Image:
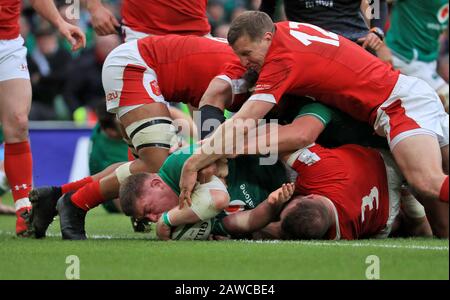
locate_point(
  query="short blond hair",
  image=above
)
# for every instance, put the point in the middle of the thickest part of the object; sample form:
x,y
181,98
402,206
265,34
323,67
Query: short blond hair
x,y
251,23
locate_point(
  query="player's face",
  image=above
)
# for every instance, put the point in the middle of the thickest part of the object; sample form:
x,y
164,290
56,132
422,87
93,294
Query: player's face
x,y
252,53
154,202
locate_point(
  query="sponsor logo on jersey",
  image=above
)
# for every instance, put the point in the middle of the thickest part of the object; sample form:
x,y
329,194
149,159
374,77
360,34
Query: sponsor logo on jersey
x,y
315,3
443,14
112,96
307,157
234,207
248,198
155,88
262,87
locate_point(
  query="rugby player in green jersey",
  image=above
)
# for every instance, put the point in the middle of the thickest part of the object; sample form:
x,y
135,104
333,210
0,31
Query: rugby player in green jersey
x,y
413,37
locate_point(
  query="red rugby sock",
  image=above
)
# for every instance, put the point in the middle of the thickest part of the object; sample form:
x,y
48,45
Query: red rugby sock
x,y
19,171
443,196
88,197
75,185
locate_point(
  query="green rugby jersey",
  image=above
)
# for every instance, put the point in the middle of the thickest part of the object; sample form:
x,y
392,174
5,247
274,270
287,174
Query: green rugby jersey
x,y
415,28
248,182
105,151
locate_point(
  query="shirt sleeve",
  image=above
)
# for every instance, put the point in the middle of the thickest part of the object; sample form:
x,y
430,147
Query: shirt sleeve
x,y
318,110
274,80
233,73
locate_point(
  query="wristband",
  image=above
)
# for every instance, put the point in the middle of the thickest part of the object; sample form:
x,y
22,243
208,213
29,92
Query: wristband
x,y
166,219
378,31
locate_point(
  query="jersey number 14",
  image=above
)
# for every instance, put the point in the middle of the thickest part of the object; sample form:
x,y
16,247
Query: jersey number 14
x,y
307,39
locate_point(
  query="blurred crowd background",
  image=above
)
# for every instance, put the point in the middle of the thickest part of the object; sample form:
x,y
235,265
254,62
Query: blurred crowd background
x,y
67,85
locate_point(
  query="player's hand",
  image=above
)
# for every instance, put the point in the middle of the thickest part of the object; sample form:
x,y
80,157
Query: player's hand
x,y
163,231
281,195
222,168
103,21
73,34
205,174
188,180
371,40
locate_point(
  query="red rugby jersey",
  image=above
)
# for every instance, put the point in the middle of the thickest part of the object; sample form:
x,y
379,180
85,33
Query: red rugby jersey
x,y
185,65
354,179
9,19
306,60
162,17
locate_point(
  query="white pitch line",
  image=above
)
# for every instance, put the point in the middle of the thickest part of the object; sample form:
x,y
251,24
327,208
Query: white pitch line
x,y
306,243
353,244
94,236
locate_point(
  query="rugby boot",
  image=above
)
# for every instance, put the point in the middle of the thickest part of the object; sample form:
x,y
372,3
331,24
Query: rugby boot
x,y
43,201
71,219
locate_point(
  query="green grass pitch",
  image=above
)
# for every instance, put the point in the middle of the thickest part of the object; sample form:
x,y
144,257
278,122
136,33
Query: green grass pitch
x,y
113,251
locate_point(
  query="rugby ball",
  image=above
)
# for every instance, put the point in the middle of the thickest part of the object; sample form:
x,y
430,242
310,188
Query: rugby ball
x,y
197,231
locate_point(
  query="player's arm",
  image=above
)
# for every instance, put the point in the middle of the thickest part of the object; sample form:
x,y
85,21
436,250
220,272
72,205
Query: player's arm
x,y
222,142
303,131
255,219
206,206
103,20
217,96
229,87
48,10
220,145
374,39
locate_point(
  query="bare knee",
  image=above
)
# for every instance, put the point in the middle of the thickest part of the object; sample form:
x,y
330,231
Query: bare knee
x,y
427,187
15,127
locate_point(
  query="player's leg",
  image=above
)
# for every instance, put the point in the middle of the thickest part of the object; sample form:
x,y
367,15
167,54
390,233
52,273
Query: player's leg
x,y
15,104
132,93
149,126
419,159
444,144
412,119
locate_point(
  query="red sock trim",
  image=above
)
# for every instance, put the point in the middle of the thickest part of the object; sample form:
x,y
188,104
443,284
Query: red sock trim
x,y
443,195
88,197
74,186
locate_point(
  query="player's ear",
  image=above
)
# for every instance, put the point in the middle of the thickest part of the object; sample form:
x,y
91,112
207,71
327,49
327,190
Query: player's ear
x,y
156,183
268,36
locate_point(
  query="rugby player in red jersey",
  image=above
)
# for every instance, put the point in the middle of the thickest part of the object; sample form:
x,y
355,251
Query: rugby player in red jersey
x,y
152,17
15,97
140,78
305,60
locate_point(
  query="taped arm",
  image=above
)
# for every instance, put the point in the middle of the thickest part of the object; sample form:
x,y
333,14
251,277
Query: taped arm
x,y
212,105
